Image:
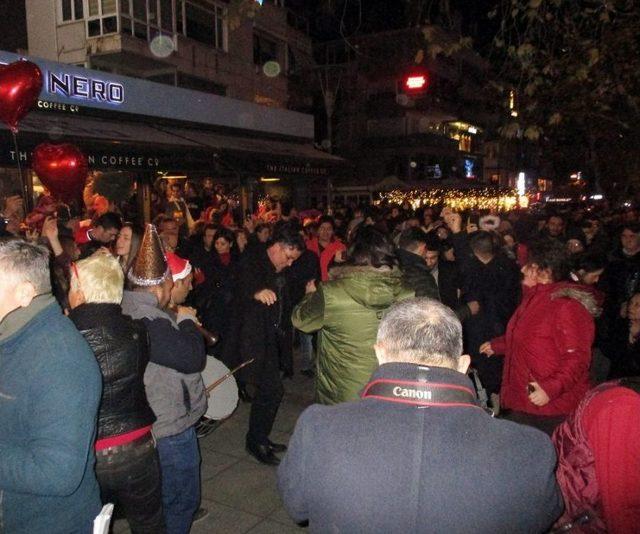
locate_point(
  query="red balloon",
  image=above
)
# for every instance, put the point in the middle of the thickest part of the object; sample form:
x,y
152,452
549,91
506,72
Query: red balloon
x,y
20,85
62,169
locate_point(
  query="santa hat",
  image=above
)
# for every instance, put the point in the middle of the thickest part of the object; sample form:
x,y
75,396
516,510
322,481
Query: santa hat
x,y
180,268
149,268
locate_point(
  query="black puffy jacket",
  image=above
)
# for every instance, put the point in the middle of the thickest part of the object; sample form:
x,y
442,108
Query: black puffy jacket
x,y
121,347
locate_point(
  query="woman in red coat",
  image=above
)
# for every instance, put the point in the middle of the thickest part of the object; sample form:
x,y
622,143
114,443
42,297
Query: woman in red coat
x,y
547,345
326,246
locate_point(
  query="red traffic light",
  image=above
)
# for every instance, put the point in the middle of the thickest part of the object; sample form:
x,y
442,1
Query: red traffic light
x,y
416,82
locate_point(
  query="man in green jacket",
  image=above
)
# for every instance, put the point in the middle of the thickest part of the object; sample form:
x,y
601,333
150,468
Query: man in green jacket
x,y
346,311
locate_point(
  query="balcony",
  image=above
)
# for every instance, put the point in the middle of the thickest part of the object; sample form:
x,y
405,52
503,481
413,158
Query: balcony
x,y
407,126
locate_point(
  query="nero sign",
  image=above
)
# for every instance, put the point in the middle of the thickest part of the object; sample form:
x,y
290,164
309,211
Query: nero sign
x,y
75,86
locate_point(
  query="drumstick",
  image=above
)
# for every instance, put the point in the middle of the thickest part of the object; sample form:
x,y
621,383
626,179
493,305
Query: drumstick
x,y
220,380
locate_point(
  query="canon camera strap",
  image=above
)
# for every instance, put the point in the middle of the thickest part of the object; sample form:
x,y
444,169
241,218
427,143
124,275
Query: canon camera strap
x,y
420,393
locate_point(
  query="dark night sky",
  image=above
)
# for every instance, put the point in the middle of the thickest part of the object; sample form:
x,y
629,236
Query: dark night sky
x,y
13,26
370,16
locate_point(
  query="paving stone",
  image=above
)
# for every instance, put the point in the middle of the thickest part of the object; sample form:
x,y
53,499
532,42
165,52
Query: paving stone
x,y
228,438
271,527
281,516
121,526
239,492
224,519
213,462
247,486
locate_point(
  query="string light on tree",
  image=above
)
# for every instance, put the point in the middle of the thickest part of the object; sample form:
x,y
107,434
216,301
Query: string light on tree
x,y
457,199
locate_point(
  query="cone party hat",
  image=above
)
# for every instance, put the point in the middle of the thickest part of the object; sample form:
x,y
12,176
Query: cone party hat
x,y
150,267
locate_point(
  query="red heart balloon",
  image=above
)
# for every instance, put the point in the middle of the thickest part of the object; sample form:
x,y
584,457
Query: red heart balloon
x,y
20,85
62,169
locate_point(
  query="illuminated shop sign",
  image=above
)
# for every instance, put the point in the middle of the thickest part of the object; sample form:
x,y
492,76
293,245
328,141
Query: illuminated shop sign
x,y
86,88
306,170
99,159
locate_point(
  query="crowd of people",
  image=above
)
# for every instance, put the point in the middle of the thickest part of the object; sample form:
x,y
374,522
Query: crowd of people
x,y
381,302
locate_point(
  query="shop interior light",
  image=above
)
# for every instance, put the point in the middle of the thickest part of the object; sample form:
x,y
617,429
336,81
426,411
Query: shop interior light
x,y
263,179
175,176
521,185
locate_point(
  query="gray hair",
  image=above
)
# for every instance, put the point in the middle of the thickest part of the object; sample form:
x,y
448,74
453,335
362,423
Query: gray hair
x,y
423,331
21,261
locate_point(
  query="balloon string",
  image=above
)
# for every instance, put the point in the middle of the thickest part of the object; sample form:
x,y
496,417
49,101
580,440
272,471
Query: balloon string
x,y
25,187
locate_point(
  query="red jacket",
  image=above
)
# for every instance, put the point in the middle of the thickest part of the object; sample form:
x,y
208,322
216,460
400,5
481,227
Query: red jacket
x,y
81,235
327,255
599,460
548,340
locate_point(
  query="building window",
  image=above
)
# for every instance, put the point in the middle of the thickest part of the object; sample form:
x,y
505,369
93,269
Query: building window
x,y
205,25
464,141
291,61
71,10
102,17
146,19
264,50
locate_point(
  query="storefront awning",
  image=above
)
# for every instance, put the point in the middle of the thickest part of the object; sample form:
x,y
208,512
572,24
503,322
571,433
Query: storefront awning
x,y
127,145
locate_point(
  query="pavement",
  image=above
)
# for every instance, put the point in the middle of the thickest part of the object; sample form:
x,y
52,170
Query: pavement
x,y
239,492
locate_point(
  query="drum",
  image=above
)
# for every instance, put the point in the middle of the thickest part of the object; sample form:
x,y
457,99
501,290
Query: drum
x,y
223,399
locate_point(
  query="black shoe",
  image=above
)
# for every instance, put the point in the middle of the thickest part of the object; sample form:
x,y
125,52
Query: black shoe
x,y
244,395
201,513
276,447
263,454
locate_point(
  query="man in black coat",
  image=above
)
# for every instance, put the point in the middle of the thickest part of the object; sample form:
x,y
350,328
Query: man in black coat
x,y
424,272
261,329
304,269
492,279
417,453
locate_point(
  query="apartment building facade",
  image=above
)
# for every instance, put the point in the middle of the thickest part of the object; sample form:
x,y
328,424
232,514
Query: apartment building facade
x,y
206,45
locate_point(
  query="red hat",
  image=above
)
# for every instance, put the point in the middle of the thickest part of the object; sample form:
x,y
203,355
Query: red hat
x,y
179,267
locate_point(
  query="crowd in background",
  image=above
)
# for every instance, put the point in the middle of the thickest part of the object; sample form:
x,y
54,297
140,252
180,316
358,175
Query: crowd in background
x,y
549,298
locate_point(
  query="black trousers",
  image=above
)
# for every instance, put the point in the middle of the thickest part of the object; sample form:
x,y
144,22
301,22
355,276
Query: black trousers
x,y
264,408
130,478
545,423
490,371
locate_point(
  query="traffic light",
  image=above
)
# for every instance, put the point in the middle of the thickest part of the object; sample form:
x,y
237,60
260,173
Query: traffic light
x,y
415,83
